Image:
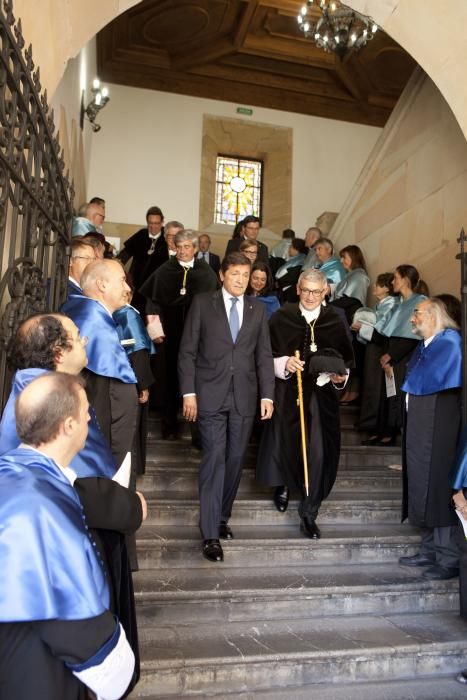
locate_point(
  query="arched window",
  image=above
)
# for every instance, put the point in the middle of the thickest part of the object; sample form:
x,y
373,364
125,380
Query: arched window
x,y
238,188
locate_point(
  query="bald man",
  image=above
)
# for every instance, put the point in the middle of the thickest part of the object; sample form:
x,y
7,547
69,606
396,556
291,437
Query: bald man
x,y
110,380
57,634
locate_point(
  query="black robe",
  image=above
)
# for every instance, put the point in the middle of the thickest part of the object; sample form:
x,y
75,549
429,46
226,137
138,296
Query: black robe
x,y
280,458
162,292
143,265
429,450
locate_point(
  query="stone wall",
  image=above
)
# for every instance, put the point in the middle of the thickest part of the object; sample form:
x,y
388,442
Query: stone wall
x,y
409,203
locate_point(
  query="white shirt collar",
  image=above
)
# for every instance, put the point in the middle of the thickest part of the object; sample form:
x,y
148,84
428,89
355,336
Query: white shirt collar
x,y
227,296
186,264
172,252
427,341
154,237
74,281
311,315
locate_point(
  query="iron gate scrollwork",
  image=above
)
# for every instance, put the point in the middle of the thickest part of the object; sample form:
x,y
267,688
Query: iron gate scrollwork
x,y
35,195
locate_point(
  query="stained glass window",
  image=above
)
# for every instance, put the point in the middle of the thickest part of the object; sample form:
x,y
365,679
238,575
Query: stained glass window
x,y
238,189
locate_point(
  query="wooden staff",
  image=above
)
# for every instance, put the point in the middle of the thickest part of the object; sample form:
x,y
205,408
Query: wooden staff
x,y
302,422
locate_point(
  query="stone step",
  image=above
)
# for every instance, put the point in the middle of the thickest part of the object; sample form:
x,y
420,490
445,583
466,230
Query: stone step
x,y
222,594
189,660
426,688
165,547
184,479
343,507
181,452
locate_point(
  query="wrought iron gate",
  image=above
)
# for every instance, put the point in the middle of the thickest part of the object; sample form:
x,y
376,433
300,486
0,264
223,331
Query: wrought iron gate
x,y
35,196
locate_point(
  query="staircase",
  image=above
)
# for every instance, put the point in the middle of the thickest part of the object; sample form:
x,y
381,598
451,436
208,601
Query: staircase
x,y
285,617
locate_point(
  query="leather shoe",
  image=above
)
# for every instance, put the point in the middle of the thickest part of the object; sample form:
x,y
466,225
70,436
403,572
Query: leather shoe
x,y
225,533
416,560
310,528
281,498
212,550
462,677
440,573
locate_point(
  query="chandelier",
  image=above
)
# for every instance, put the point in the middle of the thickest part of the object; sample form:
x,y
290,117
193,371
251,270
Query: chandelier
x,y
339,29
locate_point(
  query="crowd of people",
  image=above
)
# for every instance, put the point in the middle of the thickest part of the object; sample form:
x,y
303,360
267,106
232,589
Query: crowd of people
x,y
267,341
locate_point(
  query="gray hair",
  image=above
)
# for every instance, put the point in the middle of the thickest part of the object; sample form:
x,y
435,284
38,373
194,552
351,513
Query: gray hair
x,y
173,224
187,235
326,242
313,275
437,310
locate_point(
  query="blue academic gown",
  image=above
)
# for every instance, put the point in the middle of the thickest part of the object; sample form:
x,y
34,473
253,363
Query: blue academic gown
x,y
49,566
95,459
97,324
333,270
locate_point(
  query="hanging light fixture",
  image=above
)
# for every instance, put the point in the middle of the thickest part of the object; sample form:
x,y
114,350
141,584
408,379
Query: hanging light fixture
x,y
100,97
339,30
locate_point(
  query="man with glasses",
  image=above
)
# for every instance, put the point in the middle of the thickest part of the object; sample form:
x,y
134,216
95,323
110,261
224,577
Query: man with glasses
x,y
249,230
318,333
82,253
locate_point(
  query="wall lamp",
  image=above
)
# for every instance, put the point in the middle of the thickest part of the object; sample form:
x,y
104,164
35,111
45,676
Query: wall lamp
x,y
100,97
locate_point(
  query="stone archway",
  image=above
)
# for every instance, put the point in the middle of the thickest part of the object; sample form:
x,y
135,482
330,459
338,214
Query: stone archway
x,y
422,27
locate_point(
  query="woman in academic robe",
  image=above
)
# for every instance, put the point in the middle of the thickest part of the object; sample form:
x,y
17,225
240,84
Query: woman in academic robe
x,y
386,356
350,294
261,286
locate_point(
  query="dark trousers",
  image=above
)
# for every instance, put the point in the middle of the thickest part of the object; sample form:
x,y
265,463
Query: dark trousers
x,y
440,545
309,505
462,543
224,439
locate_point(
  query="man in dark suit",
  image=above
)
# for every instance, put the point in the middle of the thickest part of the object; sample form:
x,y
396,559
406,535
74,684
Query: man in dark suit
x,y
249,229
148,250
204,243
225,354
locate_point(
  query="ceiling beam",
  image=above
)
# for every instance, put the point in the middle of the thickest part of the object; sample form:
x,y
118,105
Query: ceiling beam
x,y
245,23
205,54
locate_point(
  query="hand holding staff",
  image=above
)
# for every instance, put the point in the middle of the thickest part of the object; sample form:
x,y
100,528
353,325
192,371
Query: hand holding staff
x,y
302,422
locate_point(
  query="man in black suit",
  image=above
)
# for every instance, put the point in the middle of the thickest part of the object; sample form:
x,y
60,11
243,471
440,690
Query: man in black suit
x,y
148,250
225,354
249,229
204,243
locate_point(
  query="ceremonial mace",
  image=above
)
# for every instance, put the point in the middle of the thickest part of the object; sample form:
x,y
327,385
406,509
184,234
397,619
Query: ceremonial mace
x,y
302,422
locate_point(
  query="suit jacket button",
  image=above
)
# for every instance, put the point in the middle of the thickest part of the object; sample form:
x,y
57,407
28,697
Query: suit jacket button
x,y
231,368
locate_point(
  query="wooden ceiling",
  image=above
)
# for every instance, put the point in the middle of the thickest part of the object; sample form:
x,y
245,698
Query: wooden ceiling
x,y
250,52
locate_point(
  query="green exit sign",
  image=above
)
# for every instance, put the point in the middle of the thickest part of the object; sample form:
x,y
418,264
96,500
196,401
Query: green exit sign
x,y
244,110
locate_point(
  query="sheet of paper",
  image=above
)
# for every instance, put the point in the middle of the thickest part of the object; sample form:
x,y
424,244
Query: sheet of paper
x,y
122,475
463,521
390,385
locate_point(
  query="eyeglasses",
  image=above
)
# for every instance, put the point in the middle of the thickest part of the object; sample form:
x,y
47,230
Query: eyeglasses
x,y
311,292
419,312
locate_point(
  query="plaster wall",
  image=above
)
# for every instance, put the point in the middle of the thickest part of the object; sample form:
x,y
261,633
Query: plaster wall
x,y
66,103
150,152
409,203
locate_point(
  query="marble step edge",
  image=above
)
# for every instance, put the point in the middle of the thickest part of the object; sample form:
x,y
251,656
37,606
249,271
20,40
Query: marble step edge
x,y
430,649
345,499
442,687
276,594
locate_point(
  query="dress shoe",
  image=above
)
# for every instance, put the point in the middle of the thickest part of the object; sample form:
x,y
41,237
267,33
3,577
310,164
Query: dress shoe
x,y
462,677
281,498
440,573
212,550
371,442
416,560
387,441
225,533
310,528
